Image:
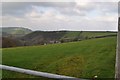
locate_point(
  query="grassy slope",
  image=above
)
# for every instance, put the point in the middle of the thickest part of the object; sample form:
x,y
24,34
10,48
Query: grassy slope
x,y
15,30
94,34
82,59
89,34
71,34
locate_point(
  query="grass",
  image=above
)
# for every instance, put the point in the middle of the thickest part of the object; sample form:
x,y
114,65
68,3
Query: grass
x,y
86,34
94,34
71,34
83,59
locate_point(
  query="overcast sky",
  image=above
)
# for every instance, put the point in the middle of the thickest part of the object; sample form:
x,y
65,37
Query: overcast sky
x,y
61,15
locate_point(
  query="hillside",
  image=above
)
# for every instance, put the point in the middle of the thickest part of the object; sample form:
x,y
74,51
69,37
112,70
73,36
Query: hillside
x,y
87,34
4,34
9,42
51,37
83,59
42,37
16,31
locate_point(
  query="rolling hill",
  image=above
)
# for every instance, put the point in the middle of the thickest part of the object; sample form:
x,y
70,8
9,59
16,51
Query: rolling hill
x,y
27,37
82,59
9,42
4,34
42,37
50,37
16,31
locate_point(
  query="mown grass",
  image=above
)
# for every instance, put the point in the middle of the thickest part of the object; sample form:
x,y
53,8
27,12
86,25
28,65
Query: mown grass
x,y
83,59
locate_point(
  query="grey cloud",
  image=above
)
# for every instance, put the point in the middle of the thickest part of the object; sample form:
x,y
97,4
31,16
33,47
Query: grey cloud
x,y
105,7
70,11
108,6
68,8
14,8
19,8
65,9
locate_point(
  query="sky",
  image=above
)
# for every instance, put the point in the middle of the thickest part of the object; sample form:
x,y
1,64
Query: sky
x,y
52,16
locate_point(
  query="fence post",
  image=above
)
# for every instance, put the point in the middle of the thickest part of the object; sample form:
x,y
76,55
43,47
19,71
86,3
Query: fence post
x,y
118,53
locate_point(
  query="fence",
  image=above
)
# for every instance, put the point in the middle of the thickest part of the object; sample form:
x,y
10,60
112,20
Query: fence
x,y
36,73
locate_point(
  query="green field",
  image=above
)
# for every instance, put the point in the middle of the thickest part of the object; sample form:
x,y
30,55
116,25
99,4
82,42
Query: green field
x,y
83,59
86,34
94,34
71,34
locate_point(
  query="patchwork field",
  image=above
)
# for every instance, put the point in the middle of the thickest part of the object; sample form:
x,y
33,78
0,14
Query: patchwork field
x,y
82,59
